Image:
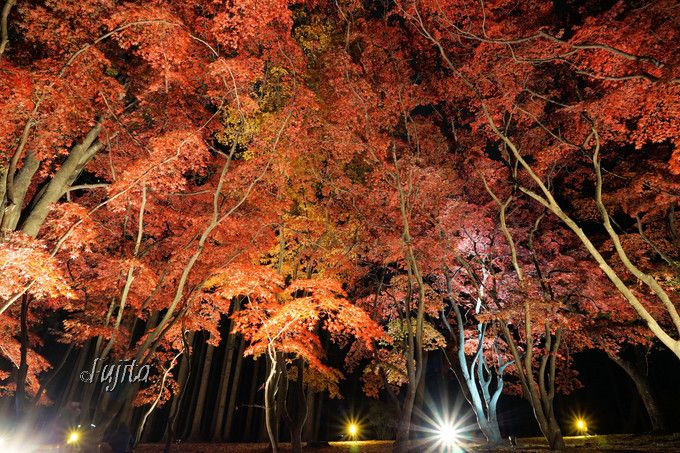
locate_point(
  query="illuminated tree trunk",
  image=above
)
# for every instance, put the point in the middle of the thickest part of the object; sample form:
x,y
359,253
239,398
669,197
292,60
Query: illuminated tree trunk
x,y
79,156
476,378
540,394
270,399
414,341
545,195
641,380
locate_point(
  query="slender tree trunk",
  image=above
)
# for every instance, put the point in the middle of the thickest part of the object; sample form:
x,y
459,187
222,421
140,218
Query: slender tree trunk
x,y
89,390
308,430
188,405
281,390
298,415
182,380
225,378
420,391
74,378
269,401
644,388
222,391
22,372
202,391
251,402
53,373
184,374
126,415
231,407
317,435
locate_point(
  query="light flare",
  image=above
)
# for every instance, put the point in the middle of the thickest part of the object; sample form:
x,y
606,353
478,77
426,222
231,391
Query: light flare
x,y
73,438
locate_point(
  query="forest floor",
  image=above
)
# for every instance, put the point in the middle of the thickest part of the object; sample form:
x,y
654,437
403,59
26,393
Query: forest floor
x,y
606,443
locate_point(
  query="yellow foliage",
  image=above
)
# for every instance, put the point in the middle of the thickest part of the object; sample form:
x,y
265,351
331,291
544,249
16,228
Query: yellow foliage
x,y
314,34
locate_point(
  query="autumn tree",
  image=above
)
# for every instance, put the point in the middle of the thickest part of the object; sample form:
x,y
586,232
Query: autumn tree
x,y
280,320
560,125
138,116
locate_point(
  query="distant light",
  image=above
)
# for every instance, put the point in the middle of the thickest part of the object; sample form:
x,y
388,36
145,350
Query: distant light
x,y
353,429
3,441
581,425
73,437
448,435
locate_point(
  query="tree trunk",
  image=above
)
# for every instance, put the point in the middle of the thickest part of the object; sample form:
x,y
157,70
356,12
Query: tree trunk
x,y
231,407
269,401
74,378
644,388
420,391
539,394
401,441
200,401
69,170
296,437
297,417
222,392
187,407
554,434
183,379
251,402
317,435
225,377
483,403
22,371
308,430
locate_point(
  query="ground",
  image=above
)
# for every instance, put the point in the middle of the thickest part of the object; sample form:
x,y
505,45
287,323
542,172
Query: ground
x,y
608,443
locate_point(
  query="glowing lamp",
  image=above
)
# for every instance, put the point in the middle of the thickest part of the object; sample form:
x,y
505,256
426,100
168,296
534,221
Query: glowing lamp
x,y
73,437
353,429
448,435
581,425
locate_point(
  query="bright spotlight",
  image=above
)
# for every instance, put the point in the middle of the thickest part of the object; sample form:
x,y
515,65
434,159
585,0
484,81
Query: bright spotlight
x,y
448,435
73,437
353,430
581,425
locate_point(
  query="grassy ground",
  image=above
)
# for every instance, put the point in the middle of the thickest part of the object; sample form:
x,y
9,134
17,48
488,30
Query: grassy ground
x,y
609,443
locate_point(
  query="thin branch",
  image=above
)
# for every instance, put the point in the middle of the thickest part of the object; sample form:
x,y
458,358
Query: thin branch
x,y
4,34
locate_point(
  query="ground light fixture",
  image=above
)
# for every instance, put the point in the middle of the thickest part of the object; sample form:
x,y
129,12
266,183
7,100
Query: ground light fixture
x,y
73,438
448,435
581,425
353,430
